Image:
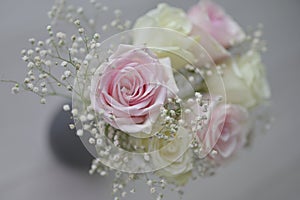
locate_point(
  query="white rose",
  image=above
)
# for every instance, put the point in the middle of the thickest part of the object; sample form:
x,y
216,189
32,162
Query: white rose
x,y
177,157
165,16
169,38
244,81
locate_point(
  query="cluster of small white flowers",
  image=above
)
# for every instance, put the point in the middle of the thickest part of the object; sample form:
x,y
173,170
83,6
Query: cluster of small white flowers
x,y
124,184
71,13
120,185
205,167
98,167
170,114
253,43
53,63
256,41
156,187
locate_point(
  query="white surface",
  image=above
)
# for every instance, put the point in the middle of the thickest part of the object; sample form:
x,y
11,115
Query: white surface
x,y
270,170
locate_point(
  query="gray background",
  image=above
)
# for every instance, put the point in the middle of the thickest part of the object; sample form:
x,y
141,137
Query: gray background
x,y
270,170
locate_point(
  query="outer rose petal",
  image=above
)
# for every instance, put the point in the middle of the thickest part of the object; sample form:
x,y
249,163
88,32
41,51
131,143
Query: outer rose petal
x,y
216,51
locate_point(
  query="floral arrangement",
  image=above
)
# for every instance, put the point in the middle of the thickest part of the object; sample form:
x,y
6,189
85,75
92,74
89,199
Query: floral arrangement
x,y
166,100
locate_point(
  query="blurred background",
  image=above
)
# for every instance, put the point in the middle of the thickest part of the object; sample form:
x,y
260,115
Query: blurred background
x,y
269,170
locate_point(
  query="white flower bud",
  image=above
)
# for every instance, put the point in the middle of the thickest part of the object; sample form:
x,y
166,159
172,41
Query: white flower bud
x,y
90,117
72,126
66,107
32,40
83,118
43,100
26,80
97,36
74,112
30,52
73,38
64,64
23,52
41,43
15,90
30,86
43,84
44,90
30,65
92,141
49,28
35,89
67,73
79,132
43,53
81,30
63,77
48,63
25,58
61,35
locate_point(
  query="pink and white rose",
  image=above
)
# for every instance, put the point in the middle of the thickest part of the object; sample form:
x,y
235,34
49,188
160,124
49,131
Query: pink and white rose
x,y
211,18
226,132
130,88
168,43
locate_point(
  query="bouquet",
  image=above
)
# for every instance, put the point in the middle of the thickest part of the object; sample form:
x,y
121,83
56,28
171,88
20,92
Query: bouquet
x,y
166,99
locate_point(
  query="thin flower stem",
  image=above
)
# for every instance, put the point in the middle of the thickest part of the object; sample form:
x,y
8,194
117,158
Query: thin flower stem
x,y
9,81
60,57
59,94
70,58
56,49
63,59
86,43
53,77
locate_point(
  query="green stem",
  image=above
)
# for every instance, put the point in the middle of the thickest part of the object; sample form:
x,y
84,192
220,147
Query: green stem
x,y
9,81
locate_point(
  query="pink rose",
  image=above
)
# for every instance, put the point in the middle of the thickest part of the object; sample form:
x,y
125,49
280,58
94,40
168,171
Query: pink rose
x,y
211,18
226,132
130,88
